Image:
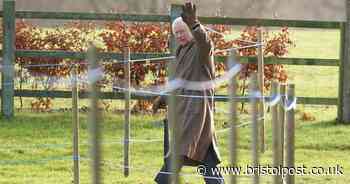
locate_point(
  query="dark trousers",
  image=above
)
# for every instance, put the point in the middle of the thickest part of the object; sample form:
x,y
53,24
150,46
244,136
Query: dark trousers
x,y
209,162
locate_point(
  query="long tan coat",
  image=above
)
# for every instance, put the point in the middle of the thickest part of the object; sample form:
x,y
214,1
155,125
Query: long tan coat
x,y
194,62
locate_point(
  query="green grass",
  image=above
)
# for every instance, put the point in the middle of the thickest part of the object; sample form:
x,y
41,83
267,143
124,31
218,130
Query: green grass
x,y
36,148
317,81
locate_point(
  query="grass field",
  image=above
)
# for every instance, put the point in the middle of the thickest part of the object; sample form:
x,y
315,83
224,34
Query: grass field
x,y
37,148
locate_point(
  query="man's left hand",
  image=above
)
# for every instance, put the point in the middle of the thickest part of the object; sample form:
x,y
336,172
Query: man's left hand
x,y
189,15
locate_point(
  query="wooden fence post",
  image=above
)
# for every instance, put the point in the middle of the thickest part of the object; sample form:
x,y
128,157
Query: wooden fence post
x,y
75,118
255,127
175,146
261,107
126,110
8,73
233,138
95,119
282,118
290,135
276,134
344,70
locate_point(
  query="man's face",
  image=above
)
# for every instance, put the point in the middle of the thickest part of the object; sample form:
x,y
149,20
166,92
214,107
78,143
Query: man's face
x,y
182,35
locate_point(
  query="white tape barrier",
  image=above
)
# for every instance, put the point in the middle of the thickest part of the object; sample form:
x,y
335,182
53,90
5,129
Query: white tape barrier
x,y
95,75
290,104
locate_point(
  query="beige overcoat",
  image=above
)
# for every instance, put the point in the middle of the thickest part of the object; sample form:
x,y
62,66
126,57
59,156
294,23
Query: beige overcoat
x,y
194,62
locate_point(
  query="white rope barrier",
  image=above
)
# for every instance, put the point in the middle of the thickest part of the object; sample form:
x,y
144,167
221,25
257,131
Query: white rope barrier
x,y
95,75
225,36
238,126
289,105
135,61
44,65
148,60
239,48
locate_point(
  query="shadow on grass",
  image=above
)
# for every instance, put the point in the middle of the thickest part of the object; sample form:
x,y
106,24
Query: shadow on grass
x,y
323,124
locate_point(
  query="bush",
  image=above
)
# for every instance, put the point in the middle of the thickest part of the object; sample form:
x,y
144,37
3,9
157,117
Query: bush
x,y
140,37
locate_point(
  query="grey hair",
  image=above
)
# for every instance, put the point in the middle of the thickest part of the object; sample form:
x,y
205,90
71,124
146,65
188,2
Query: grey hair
x,y
179,22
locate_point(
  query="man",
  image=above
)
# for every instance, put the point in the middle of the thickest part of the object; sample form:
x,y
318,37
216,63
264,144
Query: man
x,y
194,63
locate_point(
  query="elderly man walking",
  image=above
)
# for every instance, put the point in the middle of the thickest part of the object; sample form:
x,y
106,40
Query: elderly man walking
x,y
195,116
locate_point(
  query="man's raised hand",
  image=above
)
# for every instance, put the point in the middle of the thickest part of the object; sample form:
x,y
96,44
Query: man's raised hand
x,y
189,14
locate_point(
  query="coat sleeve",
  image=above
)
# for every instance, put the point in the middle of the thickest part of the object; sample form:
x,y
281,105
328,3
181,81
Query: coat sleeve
x,y
202,38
